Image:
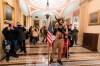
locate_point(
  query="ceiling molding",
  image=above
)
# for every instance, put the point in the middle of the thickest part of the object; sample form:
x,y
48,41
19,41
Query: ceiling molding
x,y
68,6
82,1
90,0
57,4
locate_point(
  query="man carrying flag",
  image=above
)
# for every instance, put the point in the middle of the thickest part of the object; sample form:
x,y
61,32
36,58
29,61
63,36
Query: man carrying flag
x,y
59,41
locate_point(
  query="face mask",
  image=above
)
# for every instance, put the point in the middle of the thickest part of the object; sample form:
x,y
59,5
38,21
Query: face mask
x,y
18,25
9,25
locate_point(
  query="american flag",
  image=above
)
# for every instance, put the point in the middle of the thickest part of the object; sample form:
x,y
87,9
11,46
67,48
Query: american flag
x,y
49,35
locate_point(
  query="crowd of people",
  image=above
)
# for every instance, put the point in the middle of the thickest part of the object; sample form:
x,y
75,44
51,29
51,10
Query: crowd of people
x,y
15,37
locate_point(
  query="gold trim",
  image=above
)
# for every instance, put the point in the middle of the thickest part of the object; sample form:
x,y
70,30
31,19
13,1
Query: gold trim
x,y
98,20
5,4
85,1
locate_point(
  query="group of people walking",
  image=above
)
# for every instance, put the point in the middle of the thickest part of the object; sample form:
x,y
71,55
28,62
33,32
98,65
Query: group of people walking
x,y
14,36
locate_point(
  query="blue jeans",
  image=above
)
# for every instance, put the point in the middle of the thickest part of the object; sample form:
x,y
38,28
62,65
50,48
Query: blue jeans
x,y
14,47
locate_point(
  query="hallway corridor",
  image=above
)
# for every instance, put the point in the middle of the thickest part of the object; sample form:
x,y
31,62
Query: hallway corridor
x,y
37,55
60,23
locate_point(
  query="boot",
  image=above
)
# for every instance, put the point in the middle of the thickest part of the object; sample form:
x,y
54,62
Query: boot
x,y
60,62
51,61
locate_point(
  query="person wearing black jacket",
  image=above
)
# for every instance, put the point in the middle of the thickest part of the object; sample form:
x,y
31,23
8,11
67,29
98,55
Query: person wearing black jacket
x,y
10,34
70,36
75,35
21,37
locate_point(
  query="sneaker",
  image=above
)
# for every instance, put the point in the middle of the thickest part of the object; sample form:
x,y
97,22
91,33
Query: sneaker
x,y
60,62
51,61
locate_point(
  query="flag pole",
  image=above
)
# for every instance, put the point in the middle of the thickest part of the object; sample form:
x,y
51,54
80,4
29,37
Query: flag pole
x,y
67,49
47,16
48,54
48,48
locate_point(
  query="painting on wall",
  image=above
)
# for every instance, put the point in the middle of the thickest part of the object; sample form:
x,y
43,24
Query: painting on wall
x,y
36,22
75,19
94,18
8,12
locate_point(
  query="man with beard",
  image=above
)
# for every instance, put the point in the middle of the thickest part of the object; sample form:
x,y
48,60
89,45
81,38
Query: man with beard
x,y
59,32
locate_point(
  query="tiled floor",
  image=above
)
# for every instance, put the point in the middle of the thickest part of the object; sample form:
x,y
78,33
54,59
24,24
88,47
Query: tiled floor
x,y
38,56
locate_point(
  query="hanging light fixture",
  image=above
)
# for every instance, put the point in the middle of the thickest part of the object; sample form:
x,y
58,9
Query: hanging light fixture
x,y
47,5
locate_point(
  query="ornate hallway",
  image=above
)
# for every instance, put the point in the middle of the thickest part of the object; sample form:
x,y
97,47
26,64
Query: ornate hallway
x,y
79,17
37,55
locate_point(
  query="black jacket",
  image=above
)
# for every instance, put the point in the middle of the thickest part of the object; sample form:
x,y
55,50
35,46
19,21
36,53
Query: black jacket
x,y
10,35
21,33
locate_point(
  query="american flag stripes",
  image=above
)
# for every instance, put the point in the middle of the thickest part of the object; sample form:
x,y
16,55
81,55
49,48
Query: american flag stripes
x,y
49,35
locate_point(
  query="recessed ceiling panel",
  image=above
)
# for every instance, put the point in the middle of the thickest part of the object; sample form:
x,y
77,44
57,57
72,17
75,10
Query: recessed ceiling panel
x,y
52,4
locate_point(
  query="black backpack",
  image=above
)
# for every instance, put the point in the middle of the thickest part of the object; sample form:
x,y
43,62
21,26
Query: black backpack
x,y
6,45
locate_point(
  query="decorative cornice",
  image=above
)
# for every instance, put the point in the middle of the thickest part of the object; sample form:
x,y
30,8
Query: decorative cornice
x,y
90,0
83,1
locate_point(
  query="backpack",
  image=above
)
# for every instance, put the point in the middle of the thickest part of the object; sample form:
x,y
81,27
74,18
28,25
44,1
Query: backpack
x,y
6,45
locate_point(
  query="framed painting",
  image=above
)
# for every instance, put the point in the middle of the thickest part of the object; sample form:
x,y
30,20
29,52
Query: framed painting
x,y
94,18
36,22
8,12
